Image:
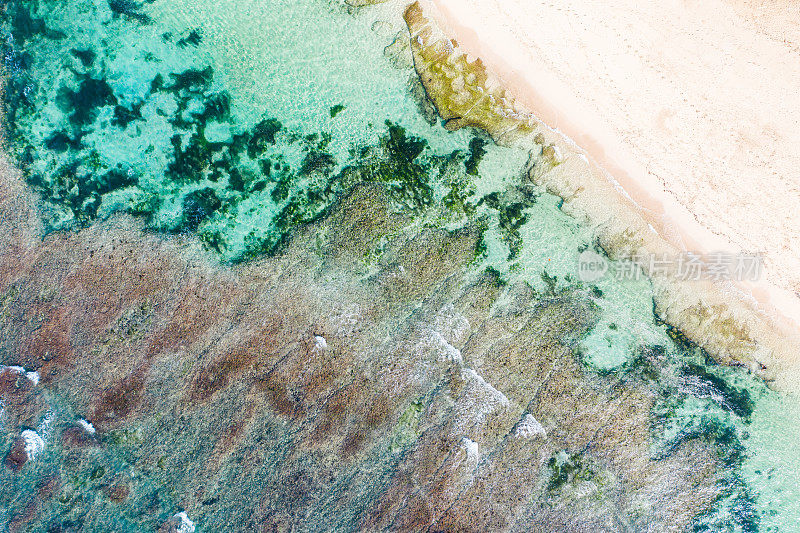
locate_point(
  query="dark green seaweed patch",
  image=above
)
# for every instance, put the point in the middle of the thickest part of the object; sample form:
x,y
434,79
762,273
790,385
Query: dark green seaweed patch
x,y
197,207
193,39
86,57
335,110
193,80
406,173
317,161
125,115
497,278
727,409
190,161
677,336
551,282
476,153
84,103
212,173
699,400
23,24
400,161
216,108
711,385
511,215
262,137
130,9
565,469
60,141
461,187
708,427
648,362
734,508
735,399
281,189
157,84
481,250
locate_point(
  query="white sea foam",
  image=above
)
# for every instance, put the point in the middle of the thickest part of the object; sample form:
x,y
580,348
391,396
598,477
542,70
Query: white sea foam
x,y
186,525
452,325
472,450
529,427
33,377
472,376
87,426
44,425
34,444
446,350
478,401
320,344
448,327
346,321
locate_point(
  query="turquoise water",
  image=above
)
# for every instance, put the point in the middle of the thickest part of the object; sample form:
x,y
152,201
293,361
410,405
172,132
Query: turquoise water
x,y
237,122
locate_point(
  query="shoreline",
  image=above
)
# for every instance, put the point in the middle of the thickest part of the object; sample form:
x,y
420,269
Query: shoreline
x,y
637,192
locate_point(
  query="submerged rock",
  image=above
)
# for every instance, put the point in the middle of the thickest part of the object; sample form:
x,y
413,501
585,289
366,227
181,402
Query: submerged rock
x,y
296,391
26,448
18,455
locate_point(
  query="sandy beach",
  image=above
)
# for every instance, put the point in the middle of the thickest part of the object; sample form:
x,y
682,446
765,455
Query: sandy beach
x,y
689,108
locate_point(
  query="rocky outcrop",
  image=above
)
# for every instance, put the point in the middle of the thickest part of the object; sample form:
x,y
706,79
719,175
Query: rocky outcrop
x,y
461,90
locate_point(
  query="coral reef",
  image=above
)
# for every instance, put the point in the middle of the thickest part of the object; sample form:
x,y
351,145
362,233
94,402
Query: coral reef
x,y
313,390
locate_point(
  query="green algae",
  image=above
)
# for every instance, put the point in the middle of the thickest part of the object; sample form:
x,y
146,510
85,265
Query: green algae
x,y
406,173
211,174
647,365
338,108
567,468
81,487
738,400
84,104
406,432
129,9
476,152
193,39
511,216
696,399
711,415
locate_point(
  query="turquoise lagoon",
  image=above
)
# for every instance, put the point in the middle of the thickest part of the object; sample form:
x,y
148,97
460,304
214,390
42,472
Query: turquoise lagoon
x,y
237,121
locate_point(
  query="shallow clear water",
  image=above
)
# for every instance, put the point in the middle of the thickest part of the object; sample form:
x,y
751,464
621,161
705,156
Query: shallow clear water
x,y
299,91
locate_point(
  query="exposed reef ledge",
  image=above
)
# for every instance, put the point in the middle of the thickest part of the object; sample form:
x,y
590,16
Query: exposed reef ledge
x,y
462,90
723,317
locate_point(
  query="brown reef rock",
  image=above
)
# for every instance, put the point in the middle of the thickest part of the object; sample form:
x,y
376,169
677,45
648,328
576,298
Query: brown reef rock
x,y
319,389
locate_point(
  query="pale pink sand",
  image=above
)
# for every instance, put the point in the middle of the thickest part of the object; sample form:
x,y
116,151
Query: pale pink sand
x,y
693,107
